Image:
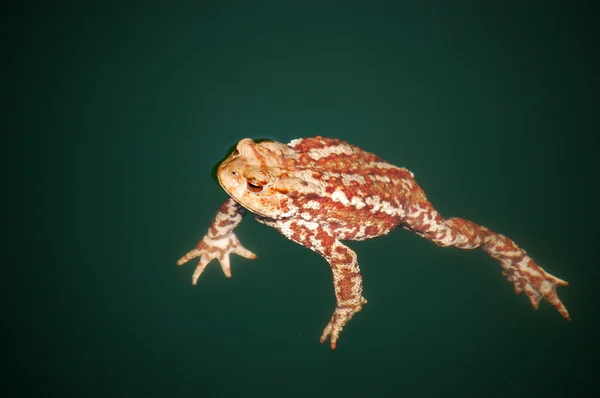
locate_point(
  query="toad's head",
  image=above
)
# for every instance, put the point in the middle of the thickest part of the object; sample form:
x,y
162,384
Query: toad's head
x,y
263,178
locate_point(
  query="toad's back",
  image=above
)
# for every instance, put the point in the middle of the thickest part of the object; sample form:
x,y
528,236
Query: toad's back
x,y
357,178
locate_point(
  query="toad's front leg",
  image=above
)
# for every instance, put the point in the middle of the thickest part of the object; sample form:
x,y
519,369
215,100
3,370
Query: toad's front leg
x,y
220,241
347,282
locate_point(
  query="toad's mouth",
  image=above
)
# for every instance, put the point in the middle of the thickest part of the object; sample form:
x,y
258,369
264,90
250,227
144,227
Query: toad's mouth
x,y
235,186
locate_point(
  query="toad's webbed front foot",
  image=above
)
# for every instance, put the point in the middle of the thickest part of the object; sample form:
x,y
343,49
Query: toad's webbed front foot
x,y
220,241
220,249
340,317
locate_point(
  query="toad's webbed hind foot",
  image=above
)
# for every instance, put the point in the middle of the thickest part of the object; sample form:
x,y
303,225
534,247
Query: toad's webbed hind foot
x,y
530,278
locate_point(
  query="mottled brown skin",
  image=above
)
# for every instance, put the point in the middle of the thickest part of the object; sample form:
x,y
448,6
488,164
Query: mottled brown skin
x,y
321,191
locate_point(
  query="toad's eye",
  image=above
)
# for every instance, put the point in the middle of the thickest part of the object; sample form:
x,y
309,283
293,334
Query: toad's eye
x,y
254,186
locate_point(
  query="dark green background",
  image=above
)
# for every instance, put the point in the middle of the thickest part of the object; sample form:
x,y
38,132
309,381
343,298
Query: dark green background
x,y
115,114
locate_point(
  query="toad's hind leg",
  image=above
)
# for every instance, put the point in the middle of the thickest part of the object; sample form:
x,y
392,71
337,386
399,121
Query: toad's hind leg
x,y
517,266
